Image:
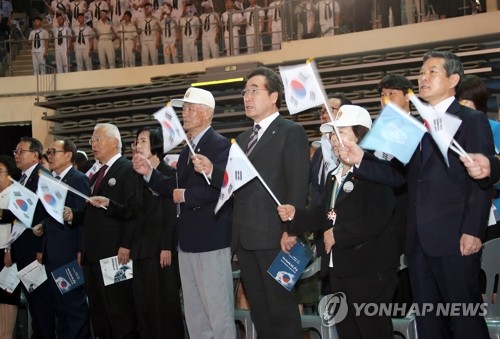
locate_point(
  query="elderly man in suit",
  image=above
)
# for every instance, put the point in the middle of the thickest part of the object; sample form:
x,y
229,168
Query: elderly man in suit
x,y
29,247
108,228
204,237
447,210
279,150
61,245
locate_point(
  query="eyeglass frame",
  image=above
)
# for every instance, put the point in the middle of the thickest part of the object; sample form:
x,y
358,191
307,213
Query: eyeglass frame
x,y
53,151
252,91
97,139
21,151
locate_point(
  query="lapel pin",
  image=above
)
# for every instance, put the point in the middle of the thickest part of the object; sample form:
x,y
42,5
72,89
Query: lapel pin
x,y
348,186
112,182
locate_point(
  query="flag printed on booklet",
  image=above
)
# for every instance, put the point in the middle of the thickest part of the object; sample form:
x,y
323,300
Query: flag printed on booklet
x,y
286,269
239,171
68,277
394,132
22,202
113,271
441,126
302,87
53,196
173,133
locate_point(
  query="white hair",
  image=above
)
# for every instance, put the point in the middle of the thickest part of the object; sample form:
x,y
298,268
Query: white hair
x,y
111,131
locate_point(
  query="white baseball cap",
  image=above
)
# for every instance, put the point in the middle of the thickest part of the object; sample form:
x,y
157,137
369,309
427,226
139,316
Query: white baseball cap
x,y
195,95
348,116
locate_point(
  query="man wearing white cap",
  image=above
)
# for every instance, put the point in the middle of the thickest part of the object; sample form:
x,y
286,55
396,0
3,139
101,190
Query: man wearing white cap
x,y
204,238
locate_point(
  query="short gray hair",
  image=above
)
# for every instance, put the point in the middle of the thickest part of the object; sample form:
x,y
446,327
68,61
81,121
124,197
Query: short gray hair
x,y
111,131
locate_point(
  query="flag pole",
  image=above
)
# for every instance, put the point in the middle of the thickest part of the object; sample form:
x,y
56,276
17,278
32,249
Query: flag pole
x,y
191,150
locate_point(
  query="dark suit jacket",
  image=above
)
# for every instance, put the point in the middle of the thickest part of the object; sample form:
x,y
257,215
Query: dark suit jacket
x,y
24,249
281,156
156,220
198,228
62,240
443,202
317,190
104,231
364,240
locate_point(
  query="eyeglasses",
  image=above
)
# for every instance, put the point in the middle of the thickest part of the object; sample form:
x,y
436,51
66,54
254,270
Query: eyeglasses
x,y
3,171
20,151
53,151
252,91
96,139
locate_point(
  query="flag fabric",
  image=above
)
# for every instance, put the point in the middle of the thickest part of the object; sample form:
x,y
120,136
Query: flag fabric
x,y
495,129
329,159
94,169
394,132
302,85
22,203
173,133
239,171
52,194
441,126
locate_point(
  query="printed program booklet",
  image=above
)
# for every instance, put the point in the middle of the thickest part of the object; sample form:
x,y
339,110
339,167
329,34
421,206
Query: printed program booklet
x,y
68,277
113,272
287,268
33,275
9,278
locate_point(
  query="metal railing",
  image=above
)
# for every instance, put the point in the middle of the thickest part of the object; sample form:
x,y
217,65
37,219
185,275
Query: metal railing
x,y
45,81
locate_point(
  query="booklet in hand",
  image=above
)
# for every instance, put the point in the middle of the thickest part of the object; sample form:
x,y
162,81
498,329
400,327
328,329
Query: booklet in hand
x,y
68,277
113,272
287,268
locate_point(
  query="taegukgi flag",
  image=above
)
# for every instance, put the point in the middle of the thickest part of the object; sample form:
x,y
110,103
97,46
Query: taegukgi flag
x,y
394,132
173,133
53,196
239,171
303,89
441,125
22,203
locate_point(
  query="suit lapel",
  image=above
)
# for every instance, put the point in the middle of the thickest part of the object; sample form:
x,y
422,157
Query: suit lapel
x,y
266,138
346,187
110,174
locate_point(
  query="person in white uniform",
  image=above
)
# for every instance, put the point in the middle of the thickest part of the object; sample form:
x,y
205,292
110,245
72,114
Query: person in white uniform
x,y
231,23
210,28
170,36
274,24
190,26
62,43
83,44
254,18
39,39
128,35
150,36
105,37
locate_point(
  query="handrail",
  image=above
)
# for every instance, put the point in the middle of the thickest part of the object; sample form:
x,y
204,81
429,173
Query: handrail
x,y
45,81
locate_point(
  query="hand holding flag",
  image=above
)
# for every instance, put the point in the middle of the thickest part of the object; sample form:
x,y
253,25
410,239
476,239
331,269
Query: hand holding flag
x,y
53,196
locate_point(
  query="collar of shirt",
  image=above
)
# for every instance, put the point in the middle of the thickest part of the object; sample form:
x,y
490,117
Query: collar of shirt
x,y
264,123
443,106
198,137
338,173
112,161
29,171
63,173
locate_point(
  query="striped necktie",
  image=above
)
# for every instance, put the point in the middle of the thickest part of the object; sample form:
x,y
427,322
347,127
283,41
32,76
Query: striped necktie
x,y
254,137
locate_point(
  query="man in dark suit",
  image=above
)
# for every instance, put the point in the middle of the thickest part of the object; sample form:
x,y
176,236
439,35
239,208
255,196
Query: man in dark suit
x,y
447,210
29,247
204,237
279,150
61,245
108,232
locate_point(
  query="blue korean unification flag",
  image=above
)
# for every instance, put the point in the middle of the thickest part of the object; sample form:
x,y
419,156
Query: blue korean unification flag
x,y
495,129
394,132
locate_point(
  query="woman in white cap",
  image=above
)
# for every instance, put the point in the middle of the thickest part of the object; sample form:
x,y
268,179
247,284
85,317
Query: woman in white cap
x,y
362,253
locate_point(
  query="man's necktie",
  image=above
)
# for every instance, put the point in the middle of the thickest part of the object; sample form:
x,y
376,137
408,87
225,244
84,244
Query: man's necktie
x,y
81,37
36,42
175,4
76,10
58,177
60,6
118,8
22,179
251,19
277,13
254,137
100,175
97,11
207,23
328,12
147,29
59,37
155,5
187,29
169,30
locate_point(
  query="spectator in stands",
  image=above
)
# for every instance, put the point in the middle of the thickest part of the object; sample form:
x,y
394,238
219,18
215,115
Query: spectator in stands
x,y
329,16
443,244
361,251
39,39
5,18
118,9
60,7
62,246
83,44
204,237
156,282
62,42
82,162
363,10
395,7
178,7
274,24
127,33
95,8
77,7
190,27
210,27
231,22
254,19
305,19
105,34
170,36
9,300
150,36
